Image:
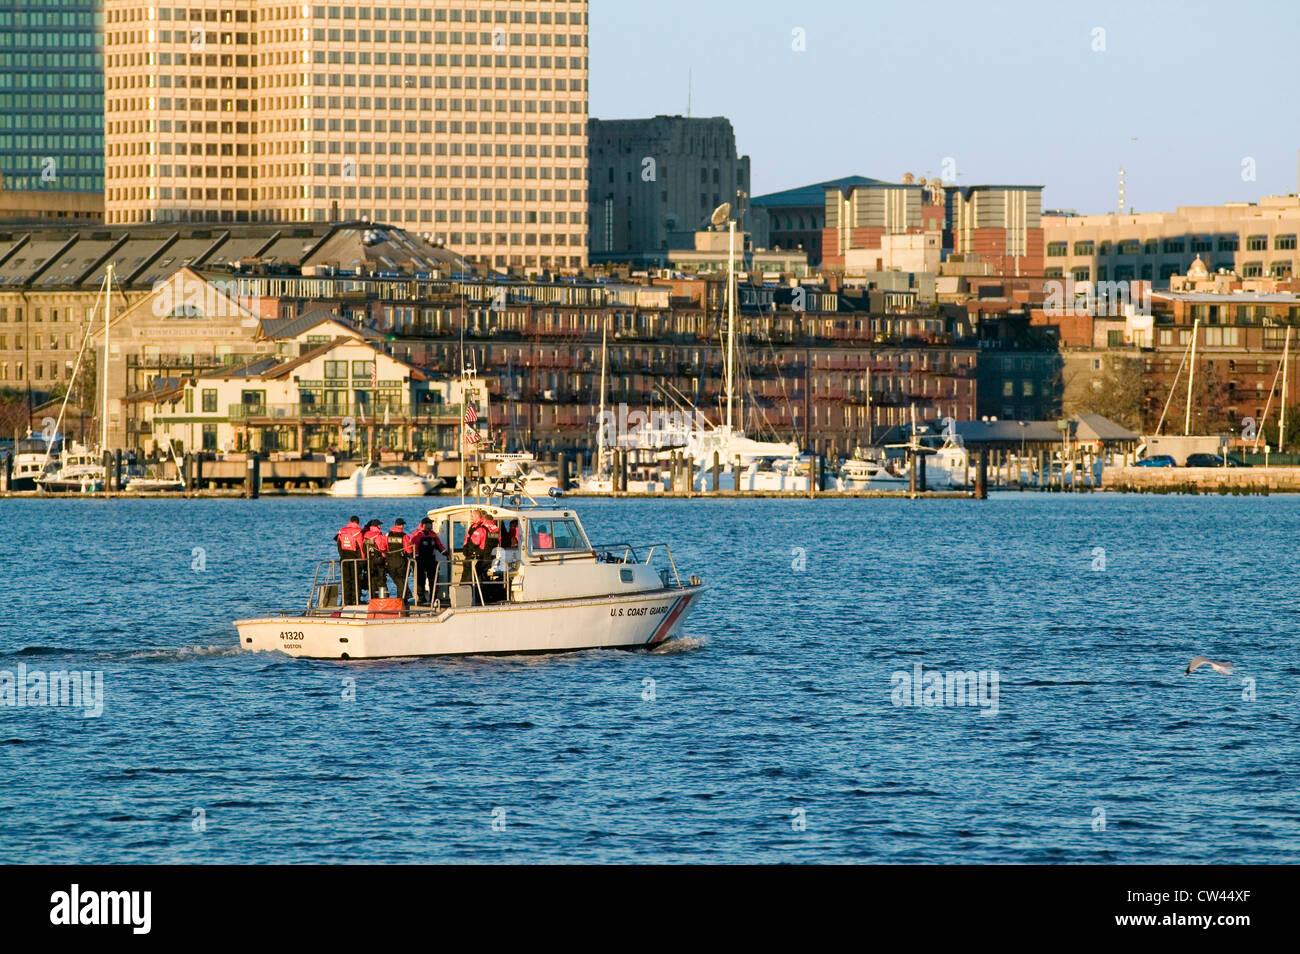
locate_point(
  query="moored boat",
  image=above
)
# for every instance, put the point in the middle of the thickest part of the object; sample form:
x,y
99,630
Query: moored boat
x,y
373,480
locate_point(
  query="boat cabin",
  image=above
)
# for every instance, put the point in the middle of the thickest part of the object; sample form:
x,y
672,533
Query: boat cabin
x,y
536,554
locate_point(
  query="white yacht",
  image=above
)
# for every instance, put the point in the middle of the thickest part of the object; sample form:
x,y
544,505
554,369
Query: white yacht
x,y
548,590
860,473
388,480
79,472
34,457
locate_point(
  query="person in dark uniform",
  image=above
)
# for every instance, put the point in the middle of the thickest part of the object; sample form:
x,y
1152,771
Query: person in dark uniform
x,y
399,556
351,562
375,545
426,547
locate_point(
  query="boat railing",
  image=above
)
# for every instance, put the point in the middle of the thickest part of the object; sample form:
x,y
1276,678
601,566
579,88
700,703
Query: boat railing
x,y
627,553
327,590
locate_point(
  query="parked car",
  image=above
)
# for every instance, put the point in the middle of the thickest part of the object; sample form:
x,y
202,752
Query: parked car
x,y
1214,460
1156,460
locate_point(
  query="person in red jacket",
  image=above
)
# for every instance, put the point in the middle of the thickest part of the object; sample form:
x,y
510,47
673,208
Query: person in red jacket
x,y
351,560
427,547
482,537
398,543
375,545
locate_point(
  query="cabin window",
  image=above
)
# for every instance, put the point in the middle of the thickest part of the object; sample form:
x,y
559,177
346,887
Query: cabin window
x,y
545,535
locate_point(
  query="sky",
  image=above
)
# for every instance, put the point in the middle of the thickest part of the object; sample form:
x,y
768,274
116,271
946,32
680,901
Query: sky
x,y
1195,101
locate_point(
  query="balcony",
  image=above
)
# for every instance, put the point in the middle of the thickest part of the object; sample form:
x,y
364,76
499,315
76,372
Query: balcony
x,y
336,413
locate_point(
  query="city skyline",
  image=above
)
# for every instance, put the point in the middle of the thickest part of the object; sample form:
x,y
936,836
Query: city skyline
x,y
1006,124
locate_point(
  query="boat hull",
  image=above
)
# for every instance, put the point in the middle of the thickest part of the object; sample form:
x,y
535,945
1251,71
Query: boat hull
x,y
632,621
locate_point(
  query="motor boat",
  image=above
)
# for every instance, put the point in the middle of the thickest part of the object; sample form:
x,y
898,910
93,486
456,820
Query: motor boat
x,y
864,474
548,590
388,480
35,456
79,472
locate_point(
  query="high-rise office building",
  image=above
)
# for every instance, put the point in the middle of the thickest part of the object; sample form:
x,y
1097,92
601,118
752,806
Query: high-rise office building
x,y
51,109
656,181
464,119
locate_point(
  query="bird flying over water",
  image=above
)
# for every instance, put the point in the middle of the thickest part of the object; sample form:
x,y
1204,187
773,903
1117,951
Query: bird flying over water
x,y
1222,668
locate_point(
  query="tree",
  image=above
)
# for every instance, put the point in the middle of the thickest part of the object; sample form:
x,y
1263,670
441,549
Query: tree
x,y
1117,390
1210,403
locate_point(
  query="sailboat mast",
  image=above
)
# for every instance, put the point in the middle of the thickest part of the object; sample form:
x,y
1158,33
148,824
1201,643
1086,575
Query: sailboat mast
x,y
108,301
1191,376
1286,359
869,421
731,316
600,429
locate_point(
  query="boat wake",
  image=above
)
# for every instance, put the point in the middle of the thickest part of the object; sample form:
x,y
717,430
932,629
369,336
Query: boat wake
x,y
681,644
159,654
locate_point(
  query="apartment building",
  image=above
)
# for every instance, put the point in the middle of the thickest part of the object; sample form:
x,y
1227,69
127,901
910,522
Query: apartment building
x,y
1250,239
464,121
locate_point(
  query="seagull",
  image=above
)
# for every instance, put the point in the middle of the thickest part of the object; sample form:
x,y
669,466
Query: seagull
x,y
1222,668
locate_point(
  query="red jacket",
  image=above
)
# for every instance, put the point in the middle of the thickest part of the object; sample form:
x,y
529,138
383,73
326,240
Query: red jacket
x,y
349,538
378,536
422,534
479,532
406,539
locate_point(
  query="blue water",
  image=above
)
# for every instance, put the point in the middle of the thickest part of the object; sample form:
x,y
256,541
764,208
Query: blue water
x,y
767,734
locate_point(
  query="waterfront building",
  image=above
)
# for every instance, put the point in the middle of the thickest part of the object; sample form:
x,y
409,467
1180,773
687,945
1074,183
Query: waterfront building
x,y
342,395
463,122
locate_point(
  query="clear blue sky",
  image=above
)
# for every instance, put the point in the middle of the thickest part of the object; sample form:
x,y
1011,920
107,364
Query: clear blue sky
x,y
1012,91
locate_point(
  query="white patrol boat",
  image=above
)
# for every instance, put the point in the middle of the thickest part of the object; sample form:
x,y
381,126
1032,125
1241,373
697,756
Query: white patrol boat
x,y
541,587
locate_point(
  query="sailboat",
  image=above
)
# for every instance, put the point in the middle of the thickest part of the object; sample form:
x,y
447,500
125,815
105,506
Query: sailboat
x,y
763,465
80,470
601,478
146,483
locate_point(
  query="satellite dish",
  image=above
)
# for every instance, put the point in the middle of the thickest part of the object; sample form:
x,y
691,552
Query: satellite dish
x,y
721,214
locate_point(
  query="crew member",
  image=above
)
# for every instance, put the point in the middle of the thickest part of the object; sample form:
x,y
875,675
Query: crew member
x,y
427,547
399,556
483,534
351,562
375,545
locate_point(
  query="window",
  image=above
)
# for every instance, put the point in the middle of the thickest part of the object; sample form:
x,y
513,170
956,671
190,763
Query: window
x,y
1083,248
1256,243
336,369
559,534
363,369
1056,249
209,400
1284,241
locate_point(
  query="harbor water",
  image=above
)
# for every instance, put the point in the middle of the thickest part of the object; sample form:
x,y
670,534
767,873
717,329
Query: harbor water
x,y
794,722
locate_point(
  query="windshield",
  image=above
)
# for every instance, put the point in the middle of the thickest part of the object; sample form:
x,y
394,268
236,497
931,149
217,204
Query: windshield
x,y
555,534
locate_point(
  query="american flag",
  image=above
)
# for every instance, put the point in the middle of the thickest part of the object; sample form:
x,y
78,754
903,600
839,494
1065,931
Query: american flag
x,y
472,436
471,414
